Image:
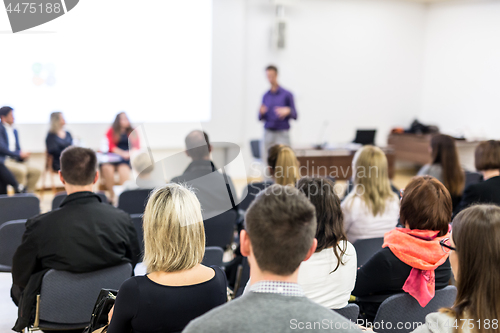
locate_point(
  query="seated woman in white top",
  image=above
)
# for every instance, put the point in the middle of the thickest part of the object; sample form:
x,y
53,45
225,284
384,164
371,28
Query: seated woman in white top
x,y
474,254
372,208
328,277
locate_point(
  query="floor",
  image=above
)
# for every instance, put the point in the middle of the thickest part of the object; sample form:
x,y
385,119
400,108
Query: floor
x,y
8,311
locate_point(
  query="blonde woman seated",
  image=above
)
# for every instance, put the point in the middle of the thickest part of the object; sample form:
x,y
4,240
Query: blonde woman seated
x,y
178,287
372,208
283,165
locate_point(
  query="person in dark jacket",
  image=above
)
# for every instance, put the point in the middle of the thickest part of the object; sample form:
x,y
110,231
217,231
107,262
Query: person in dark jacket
x,y
58,139
82,235
487,160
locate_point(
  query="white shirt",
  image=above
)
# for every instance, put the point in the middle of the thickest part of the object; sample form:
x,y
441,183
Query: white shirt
x,y
327,288
360,223
10,136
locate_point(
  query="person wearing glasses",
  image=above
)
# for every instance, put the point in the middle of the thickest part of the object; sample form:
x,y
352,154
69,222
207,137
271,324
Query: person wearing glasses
x,y
411,259
474,254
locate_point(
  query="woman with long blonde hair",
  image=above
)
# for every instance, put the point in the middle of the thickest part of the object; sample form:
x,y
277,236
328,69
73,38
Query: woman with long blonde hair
x,y
372,208
283,165
57,139
177,288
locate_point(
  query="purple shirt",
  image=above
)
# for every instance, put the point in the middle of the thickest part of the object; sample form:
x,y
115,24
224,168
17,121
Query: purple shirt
x,y
272,100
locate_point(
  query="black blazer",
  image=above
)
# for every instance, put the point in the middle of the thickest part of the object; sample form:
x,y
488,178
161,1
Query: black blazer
x,y
83,235
485,192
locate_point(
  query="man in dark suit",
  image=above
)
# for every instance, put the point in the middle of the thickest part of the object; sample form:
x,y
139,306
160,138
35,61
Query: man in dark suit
x,y
214,190
83,235
11,154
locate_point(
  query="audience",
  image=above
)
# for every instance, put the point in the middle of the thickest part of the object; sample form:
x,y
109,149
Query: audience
x,y
372,208
118,137
411,259
283,165
445,166
214,190
487,160
83,235
11,154
328,277
279,235
144,167
474,253
177,288
58,139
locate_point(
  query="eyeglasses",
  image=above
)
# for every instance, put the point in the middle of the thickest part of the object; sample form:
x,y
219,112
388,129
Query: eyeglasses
x,y
446,245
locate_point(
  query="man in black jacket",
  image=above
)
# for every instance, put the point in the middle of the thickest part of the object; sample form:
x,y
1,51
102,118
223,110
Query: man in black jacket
x,y
83,235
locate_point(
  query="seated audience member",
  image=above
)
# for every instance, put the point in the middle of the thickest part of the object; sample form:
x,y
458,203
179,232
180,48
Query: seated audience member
x,y
118,137
372,208
177,288
7,178
328,277
214,190
144,167
283,165
11,154
83,235
474,256
279,235
58,139
487,160
445,166
411,259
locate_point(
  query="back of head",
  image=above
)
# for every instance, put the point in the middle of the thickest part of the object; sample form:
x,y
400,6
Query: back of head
x,y
78,165
174,234
284,165
143,164
476,234
371,178
426,205
444,153
281,224
487,156
198,145
55,122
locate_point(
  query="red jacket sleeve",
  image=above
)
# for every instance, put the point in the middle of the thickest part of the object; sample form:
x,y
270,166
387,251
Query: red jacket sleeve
x,y
111,141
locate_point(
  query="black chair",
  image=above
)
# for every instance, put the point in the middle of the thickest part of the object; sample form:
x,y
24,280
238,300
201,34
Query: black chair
x,y
242,278
366,248
137,220
66,299
60,196
404,310
252,190
134,201
219,230
11,235
18,206
350,311
213,256
255,146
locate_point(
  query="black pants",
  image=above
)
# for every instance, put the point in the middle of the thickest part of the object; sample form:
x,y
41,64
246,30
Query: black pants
x,y
6,178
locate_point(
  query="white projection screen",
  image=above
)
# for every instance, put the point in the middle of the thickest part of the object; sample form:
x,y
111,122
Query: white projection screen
x,y
151,59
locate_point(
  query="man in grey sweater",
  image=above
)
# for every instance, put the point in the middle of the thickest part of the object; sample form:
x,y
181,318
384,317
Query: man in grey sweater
x,y
280,227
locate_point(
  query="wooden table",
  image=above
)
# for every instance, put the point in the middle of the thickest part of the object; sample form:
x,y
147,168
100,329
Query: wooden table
x,y
335,163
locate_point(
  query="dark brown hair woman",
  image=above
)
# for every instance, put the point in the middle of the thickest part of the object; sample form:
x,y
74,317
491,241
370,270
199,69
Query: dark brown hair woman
x,y
445,166
328,276
474,252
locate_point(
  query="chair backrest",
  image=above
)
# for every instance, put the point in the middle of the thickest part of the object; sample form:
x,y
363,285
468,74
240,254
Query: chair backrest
x,y
213,256
243,278
69,298
366,248
134,201
18,206
60,196
11,235
405,310
252,190
350,311
219,230
255,146
137,220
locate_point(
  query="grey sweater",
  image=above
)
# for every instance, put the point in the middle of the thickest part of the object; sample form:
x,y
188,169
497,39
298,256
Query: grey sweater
x,y
260,312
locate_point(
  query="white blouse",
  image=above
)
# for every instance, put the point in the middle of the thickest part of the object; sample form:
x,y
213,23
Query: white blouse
x,y
321,285
360,223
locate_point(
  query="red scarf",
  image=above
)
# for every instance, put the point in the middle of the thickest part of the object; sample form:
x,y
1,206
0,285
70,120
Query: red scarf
x,y
421,250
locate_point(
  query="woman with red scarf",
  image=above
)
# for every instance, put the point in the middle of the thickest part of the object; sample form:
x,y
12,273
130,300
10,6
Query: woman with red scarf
x,y
411,259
